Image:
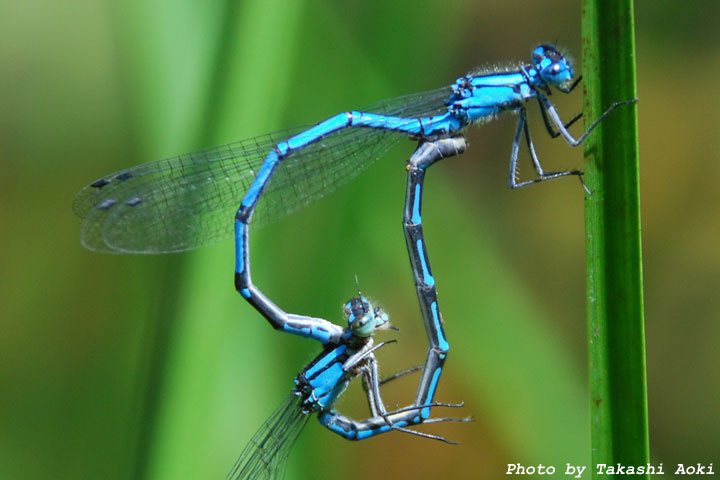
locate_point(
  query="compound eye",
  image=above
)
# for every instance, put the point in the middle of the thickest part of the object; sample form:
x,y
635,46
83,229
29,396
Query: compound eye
x,y
356,307
538,54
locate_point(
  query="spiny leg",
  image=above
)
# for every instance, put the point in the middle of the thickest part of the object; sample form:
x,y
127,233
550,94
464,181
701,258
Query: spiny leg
x,y
393,418
366,386
400,374
522,127
548,126
397,420
364,363
371,386
557,121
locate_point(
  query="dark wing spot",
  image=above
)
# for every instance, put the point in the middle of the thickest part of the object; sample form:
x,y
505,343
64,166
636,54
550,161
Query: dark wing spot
x,y
123,176
100,183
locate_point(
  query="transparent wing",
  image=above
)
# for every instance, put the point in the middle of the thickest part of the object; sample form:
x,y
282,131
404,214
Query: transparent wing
x,y
265,455
188,201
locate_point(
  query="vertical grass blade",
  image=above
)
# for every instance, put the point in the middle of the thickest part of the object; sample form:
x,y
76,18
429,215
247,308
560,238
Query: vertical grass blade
x,y
618,392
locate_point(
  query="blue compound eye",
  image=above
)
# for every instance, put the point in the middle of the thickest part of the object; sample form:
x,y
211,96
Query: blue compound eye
x,y
554,68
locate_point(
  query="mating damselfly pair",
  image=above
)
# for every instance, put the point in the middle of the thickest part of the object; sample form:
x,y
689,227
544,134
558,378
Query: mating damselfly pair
x,y
188,201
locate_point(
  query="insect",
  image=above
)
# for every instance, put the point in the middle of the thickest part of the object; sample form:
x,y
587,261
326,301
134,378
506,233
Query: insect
x,y
187,201
349,353
184,202
318,386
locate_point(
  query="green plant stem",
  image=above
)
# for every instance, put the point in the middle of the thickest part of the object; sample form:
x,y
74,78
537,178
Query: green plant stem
x,y
618,392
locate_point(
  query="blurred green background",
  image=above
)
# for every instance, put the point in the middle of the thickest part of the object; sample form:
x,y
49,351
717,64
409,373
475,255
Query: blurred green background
x,y
135,366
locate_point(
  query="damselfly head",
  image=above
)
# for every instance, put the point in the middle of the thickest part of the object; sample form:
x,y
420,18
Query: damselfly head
x,y
553,67
363,318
